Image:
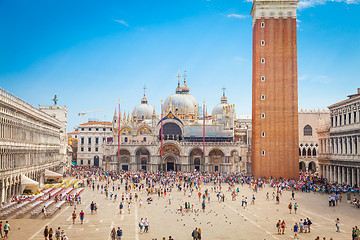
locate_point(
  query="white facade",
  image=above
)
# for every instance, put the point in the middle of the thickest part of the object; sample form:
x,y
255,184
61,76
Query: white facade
x,y
29,144
91,137
310,120
340,142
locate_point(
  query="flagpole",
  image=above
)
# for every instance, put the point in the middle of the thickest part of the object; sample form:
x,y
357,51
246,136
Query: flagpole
x,y
119,131
161,134
204,131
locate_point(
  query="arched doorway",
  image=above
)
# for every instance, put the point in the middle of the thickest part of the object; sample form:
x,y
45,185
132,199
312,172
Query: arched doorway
x,y
124,160
142,159
216,158
302,166
96,161
196,160
170,163
312,166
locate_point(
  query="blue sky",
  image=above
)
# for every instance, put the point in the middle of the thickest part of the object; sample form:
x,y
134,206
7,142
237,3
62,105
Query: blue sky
x,y
91,53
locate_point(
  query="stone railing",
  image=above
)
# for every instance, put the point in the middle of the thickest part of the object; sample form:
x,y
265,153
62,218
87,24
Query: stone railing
x,y
11,99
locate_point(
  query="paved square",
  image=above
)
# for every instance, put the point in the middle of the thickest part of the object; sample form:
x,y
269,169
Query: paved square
x,y
221,220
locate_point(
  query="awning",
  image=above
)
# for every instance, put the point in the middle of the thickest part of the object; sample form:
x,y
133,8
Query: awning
x,y
49,173
28,183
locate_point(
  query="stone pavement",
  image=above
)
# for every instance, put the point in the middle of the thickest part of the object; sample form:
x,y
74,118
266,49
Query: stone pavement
x,y
226,220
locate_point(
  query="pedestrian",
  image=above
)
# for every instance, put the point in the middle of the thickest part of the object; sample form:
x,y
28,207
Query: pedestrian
x,y
296,229
113,234
51,234
337,224
82,214
58,234
129,208
146,225
92,207
295,207
121,206
119,234
141,224
203,206
46,233
1,234
74,217
199,234
283,225
278,226
6,229
309,224
43,211
194,234
290,207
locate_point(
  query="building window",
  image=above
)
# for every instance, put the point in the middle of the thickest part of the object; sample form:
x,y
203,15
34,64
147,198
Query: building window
x,y
82,129
96,140
263,115
263,153
89,161
82,149
262,60
345,119
89,149
307,130
263,134
262,97
89,129
144,139
81,162
126,139
89,140
110,129
340,118
332,121
75,136
104,129
349,118
97,129
262,43
262,24
263,78
96,149
354,117
336,118
82,140
104,140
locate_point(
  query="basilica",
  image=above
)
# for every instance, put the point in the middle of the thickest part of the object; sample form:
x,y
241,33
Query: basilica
x,y
183,137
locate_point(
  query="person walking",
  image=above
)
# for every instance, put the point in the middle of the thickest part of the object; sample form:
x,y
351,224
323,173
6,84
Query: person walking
x,y
121,206
283,225
6,229
119,234
290,207
46,233
51,234
278,227
199,234
141,225
337,224
113,234
296,229
146,225
82,214
194,234
58,234
1,233
73,217
295,207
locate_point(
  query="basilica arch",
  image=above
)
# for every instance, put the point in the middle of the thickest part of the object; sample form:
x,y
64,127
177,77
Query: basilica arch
x,y
216,159
142,158
123,160
170,160
196,160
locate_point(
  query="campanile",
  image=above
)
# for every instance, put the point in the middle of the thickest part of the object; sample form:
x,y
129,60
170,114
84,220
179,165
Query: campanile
x,y
274,150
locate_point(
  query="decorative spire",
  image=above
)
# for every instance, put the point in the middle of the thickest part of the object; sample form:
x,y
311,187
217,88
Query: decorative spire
x,y
185,88
178,89
223,98
115,114
144,99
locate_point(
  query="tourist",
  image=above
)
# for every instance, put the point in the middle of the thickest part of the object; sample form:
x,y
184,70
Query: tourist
x,y
113,234
199,234
194,234
92,207
6,229
43,211
290,207
82,214
296,228
283,225
337,224
146,225
121,206
73,217
278,226
51,234
57,234
141,225
309,224
46,233
1,234
119,234
295,207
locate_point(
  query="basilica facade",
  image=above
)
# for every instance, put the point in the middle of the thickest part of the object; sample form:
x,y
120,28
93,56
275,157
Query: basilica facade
x,y
183,137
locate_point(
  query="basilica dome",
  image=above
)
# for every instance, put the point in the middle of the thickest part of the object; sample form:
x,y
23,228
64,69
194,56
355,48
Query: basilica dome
x,y
143,110
183,101
218,109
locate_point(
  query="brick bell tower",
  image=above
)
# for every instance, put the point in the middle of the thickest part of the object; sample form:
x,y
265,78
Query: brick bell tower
x,y
275,141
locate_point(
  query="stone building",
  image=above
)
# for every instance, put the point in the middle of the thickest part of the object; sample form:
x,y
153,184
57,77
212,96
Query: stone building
x,y
310,120
29,144
91,138
174,140
275,140
339,158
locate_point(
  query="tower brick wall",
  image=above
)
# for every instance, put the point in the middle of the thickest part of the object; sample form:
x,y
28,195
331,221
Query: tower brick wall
x,y
274,95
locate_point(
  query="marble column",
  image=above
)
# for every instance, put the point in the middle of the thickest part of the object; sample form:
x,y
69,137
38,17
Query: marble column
x,y
339,174
343,176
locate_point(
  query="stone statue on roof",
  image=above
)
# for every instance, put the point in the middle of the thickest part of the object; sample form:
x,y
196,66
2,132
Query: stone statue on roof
x,y
55,99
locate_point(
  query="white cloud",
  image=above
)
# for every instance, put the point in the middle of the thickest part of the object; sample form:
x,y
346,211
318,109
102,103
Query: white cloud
x,y
303,4
236,16
122,22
